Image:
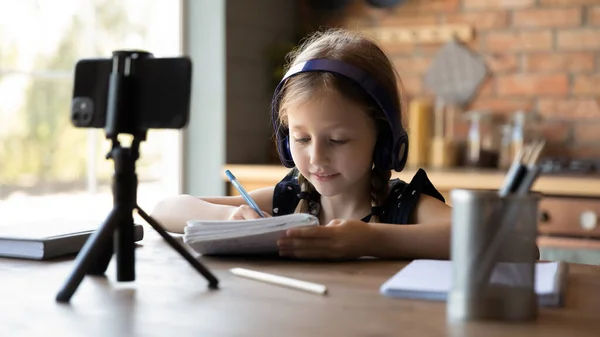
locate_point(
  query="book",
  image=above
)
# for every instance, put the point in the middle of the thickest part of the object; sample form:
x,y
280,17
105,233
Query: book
x,y
432,280
242,237
44,240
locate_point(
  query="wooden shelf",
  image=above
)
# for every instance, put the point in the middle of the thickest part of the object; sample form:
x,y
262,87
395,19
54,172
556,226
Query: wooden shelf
x,y
568,243
421,34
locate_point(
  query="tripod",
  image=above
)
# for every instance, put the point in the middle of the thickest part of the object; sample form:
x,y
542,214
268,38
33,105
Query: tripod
x,y
116,234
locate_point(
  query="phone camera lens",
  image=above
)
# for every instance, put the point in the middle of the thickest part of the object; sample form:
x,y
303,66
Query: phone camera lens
x,y
82,111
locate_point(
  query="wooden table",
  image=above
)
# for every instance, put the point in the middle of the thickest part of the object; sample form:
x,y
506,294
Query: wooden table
x,y
169,298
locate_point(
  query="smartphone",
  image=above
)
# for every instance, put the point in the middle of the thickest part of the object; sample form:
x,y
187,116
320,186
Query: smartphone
x,y
158,94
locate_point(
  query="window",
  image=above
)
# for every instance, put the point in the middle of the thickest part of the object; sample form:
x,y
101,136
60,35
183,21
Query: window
x,y
48,168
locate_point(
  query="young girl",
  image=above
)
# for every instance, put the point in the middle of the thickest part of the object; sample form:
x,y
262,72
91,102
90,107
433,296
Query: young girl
x,y
337,120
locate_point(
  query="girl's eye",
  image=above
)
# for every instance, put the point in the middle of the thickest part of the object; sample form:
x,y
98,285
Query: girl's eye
x,y
301,140
339,141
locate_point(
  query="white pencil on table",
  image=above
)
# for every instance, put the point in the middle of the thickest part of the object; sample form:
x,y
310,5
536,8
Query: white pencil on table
x,y
280,280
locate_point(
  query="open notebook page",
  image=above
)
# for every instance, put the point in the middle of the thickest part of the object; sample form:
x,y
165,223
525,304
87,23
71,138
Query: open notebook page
x,y
432,280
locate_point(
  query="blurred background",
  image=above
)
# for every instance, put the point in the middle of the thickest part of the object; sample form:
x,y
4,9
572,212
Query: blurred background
x,y
48,168
480,78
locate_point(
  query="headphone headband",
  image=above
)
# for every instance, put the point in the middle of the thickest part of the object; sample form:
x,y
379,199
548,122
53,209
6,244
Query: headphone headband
x,y
389,155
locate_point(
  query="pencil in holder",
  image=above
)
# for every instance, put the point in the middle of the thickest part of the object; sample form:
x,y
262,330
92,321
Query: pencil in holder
x,y
493,252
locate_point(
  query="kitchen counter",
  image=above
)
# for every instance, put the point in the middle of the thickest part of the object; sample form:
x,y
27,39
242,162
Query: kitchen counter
x,y
258,176
562,237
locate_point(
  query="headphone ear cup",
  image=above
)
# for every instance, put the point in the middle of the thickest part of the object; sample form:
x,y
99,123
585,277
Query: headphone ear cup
x,y
382,154
400,153
288,152
283,148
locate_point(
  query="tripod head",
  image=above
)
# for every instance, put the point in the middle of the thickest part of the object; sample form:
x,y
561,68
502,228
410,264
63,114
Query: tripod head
x,y
132,92
122,90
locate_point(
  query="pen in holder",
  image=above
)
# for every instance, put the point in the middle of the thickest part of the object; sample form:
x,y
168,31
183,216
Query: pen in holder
x,y
493,247
514,194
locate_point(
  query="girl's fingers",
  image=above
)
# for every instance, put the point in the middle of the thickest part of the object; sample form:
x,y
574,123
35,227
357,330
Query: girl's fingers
x,y
311,232
302,244
308,254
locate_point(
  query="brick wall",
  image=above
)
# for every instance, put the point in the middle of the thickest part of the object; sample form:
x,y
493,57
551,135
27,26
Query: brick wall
x,y
544,56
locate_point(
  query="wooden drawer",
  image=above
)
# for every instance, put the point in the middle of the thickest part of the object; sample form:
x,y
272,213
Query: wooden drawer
x,y
569,216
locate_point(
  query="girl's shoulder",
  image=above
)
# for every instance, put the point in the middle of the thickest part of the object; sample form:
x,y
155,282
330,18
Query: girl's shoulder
x,y
286,194
397,209
403,197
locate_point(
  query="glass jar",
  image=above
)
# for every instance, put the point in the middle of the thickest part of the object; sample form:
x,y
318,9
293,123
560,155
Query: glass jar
x,y
506,155
524,130
483,144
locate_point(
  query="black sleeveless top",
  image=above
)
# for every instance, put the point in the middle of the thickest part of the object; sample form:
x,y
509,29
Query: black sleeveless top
x,y
397,208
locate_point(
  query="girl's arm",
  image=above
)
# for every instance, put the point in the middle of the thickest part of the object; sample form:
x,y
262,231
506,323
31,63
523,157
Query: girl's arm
x,y
344,238
174,212
430,238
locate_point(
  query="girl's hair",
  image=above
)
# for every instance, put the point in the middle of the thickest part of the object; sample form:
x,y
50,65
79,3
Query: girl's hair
x,y
361,52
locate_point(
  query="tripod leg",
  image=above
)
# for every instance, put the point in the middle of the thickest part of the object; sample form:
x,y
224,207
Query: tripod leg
x,y
213,282
93,246
125,248
103,257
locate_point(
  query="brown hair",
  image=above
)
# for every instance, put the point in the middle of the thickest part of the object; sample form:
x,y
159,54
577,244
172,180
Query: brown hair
x,y
361,52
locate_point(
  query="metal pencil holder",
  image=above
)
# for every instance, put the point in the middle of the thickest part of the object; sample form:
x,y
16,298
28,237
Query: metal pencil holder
x,y
493,256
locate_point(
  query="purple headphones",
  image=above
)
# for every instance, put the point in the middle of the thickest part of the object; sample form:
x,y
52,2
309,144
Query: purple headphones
x,y
391,151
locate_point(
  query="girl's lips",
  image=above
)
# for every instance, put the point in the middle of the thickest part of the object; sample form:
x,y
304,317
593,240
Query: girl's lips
x,y
325,176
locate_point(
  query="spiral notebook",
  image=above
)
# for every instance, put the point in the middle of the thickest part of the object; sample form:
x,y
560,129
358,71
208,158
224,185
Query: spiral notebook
x,y
432,279
242,237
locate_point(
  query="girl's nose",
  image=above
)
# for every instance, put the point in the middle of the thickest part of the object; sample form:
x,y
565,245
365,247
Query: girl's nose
x,y
319,154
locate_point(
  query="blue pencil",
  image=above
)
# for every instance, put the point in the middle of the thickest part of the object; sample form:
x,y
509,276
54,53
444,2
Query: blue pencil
x,y
243,193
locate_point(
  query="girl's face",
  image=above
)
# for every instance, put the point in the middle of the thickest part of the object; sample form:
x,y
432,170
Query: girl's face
x,y
332,142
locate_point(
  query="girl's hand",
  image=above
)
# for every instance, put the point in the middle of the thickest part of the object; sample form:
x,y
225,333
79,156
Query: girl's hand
x,y
245,212
339,239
